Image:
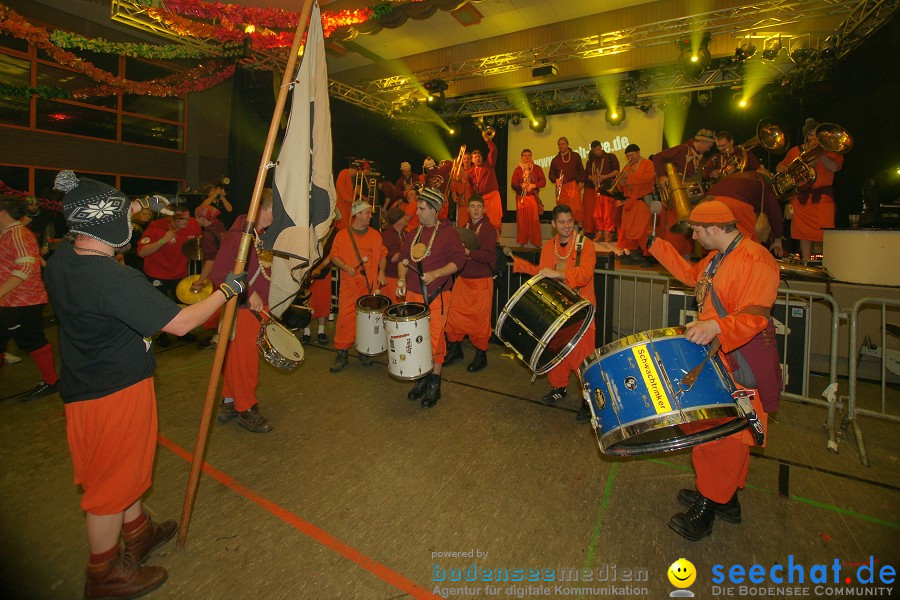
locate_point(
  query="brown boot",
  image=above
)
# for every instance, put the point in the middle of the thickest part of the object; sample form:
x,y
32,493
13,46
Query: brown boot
x,y
148,537
121,577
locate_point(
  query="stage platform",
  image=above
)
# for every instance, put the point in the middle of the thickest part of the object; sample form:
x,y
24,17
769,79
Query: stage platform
x,y
359,493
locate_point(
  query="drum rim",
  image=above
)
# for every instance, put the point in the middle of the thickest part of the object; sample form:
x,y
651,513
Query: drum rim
x,y
739,423
265,352
396,319
557,325
366,309
632,340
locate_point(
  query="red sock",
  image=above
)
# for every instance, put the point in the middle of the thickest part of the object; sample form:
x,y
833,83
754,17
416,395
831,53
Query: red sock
x,y
43,358
133,525
96,559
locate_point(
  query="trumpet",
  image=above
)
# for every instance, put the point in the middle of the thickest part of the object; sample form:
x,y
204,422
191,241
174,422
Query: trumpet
x,y
488,133
768,135
801,172
559,184
526,179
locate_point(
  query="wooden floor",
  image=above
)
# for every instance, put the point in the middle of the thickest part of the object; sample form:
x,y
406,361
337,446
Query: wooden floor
x,y
358,493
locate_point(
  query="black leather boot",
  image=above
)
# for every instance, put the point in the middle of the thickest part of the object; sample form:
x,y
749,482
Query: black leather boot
x,y
454,353
479,362
697,521
418,389
340,361
433,393
730,512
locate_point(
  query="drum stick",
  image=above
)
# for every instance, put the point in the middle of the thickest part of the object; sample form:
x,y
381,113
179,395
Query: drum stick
x,y
688,382
421,275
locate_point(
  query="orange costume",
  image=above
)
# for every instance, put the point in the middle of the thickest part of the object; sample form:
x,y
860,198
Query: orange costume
x,y
813,208
470,304
747,277
345,186
352,287
528,211
637,182
579,277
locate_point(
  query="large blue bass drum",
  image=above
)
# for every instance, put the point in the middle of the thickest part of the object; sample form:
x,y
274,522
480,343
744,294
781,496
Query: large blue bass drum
x,y
640,399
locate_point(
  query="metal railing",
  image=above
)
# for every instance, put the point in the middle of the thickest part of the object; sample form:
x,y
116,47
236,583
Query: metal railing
x,y
632,301
853,410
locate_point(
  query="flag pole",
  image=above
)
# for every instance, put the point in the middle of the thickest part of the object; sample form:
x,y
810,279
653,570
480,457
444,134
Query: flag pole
x,y
240,262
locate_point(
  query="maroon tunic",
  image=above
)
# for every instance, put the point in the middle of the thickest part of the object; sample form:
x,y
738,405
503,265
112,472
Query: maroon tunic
x,y
572,169
481,262
483,179
447,248
610,164
752,188
678,156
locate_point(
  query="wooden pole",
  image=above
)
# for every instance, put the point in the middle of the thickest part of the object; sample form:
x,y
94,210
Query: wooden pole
x,y
247,237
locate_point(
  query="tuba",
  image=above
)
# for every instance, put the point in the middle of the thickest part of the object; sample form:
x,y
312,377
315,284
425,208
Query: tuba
x,y
801,172
678,200
768,135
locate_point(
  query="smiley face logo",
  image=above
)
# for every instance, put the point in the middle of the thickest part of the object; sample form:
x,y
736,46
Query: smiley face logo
x,y
682,573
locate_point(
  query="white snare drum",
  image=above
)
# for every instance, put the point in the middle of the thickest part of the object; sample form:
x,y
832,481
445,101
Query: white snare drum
x,y
370,338
408,329
279,346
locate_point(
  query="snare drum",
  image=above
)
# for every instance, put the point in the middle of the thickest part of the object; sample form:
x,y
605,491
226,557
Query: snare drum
x,y
370,338
279,346
543,322
408,330
634,389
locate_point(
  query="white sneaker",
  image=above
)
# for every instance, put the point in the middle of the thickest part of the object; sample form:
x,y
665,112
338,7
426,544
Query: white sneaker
x,y
11,358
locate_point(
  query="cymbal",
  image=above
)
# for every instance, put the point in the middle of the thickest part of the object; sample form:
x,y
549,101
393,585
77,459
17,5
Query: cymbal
x,y
469,239
192,249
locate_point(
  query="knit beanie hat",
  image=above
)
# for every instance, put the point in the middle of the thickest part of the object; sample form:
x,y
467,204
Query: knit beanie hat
x,y
711,212
95,209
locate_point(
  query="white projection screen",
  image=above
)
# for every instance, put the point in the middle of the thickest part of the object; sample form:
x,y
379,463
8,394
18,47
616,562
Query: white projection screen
x,y
581,128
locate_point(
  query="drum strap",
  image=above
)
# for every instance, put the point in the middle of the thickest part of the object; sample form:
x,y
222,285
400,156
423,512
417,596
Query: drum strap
x,y
579,246
362,265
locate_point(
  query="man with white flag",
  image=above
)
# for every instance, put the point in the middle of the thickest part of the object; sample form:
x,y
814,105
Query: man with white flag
x,y
304,194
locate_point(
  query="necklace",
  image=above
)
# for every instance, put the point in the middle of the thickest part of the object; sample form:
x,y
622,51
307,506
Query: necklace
x,y
477,229
563,156
430,242
557,249
93,251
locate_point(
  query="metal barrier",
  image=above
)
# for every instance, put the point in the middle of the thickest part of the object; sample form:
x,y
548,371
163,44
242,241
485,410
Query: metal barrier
x,y
853,410
632,301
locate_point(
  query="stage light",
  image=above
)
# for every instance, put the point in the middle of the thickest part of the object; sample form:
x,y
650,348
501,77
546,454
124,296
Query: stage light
x,y
801,52
704,98
745,51
662,104
771,53
644,105
740,100
435,86
694,62
614,116
452,131
515,119
626,88
538,124
501,121
829,51
684,100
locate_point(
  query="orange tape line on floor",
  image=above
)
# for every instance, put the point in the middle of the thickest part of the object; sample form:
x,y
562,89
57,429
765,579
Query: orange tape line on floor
x,y
323,537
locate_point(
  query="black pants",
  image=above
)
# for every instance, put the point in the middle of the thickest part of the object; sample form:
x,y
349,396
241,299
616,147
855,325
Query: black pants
x,y
24,325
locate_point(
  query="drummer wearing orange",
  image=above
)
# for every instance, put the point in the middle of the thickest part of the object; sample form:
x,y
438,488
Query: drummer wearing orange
x,y
241,370
470,305
813,207
361,257
569,257
736,286
430,256
567,174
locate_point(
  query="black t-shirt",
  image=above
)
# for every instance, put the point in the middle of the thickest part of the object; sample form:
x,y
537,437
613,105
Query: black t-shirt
x,y
105,312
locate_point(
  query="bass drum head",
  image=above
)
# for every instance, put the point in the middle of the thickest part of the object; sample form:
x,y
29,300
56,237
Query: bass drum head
x,y
560,342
